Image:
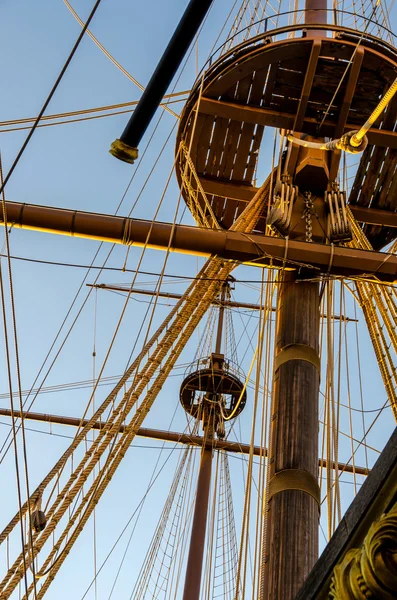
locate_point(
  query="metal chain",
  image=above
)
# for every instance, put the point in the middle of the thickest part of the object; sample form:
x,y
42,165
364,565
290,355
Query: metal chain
x,y
307,214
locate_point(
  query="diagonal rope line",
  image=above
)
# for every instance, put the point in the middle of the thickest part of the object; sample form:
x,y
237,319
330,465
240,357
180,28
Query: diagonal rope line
x,y
50,95
111,58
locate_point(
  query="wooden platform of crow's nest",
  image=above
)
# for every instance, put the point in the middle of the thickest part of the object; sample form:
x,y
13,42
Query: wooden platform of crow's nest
x,y
286,79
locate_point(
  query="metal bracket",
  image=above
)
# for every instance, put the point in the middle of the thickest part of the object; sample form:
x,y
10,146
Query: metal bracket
x,y
297,352
294,479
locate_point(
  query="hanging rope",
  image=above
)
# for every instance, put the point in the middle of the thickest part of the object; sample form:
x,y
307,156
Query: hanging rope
x,y
163,353
111,58
380,311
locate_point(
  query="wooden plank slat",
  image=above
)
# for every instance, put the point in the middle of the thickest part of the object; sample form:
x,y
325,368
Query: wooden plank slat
x,y
253,155
381,195
216,147
233,136
360,175
201,141
349,92
248,129
378,157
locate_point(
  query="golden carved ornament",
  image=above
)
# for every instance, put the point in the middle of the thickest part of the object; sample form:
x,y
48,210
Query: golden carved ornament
x,y
370,572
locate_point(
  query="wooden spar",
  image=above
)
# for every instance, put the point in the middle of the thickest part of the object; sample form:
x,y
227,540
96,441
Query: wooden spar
x,y
172,436
255,249
227,303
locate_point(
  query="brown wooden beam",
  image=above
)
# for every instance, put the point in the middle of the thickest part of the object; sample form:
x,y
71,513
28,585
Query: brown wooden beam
x,y
173,296
253,249
195,558
293,497
155,434
307,84
171,436
282,120
229,303
355,69
300,115
374,216
344,110
226,189
245,193
246,114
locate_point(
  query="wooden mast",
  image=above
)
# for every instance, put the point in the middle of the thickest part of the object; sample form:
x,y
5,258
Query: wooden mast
x,y
293,514
199,527
293,494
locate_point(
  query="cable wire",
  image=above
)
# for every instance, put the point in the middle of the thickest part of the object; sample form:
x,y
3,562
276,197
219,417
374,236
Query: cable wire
x,y
50,95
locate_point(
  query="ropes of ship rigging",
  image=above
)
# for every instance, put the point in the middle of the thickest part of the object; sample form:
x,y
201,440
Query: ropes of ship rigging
x,y
12,346
25,506
162,350
136,514
103,264
71,490
162,569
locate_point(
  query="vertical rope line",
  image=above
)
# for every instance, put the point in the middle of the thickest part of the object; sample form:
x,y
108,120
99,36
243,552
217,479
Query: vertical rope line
x,y
258,530
361,386
19,386
14,436
348,392
334,427
263,316
94,434
336,434
268,445
323,334
328,406
266,306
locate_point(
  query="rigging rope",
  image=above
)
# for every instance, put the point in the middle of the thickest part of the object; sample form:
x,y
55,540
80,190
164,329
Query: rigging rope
x,y
111,58
244,541
375,302
9,378
177,329
354,141
50,95
128,108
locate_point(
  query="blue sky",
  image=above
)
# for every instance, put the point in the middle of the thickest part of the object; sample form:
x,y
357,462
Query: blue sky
x,y
69,166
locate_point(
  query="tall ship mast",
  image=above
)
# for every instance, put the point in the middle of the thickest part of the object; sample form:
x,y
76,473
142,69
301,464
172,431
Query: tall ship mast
x,y
250,223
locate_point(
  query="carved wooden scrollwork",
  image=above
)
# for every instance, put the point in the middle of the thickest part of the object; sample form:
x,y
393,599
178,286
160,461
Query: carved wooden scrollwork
x,y
370,572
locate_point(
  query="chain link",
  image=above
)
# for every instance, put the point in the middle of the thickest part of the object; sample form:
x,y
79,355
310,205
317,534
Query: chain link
x,y
307,214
